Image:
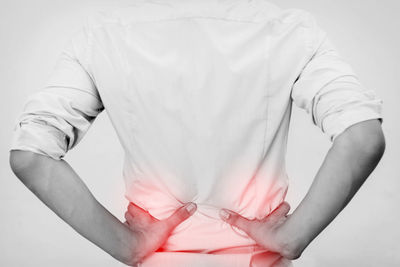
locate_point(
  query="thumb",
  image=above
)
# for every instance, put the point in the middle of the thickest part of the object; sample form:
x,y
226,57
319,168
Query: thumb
x,y
281,210
180,215
237,220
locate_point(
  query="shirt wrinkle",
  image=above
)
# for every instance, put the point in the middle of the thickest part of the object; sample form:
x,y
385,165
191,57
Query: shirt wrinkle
x,y
200,95
73,88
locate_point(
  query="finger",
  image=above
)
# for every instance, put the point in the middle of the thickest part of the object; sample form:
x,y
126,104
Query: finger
x,y
136,210
180,215
138,215
128,217
237,220
281,210
262,259
126,223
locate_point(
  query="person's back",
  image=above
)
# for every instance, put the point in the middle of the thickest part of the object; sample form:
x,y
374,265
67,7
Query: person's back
x,y
197,91
200,95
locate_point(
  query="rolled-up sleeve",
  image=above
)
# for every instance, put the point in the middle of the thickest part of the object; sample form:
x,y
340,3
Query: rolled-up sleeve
x,y
329,89
55,118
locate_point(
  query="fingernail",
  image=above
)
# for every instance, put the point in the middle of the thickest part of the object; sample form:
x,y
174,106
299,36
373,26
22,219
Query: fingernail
x,y
224,214
191,207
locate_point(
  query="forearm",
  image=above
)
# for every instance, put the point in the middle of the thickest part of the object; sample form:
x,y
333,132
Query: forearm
x,y
348,163
61,189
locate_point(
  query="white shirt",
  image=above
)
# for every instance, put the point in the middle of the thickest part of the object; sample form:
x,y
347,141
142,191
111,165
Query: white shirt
x,y
200,95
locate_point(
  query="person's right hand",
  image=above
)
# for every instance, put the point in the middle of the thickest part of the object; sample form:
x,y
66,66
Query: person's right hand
x,y
151,233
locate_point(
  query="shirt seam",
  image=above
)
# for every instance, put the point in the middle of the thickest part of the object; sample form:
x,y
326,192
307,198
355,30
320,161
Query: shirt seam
x,y
267,91
87,59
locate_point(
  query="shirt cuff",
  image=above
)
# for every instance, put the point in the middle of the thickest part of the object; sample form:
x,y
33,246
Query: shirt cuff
x,y
337,123
39,138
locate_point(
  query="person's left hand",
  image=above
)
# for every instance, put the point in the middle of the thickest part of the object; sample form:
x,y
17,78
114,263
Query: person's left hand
x,y
151,233
268,232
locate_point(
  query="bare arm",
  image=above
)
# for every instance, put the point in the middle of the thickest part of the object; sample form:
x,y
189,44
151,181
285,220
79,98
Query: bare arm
x,y
56,184
348,163
62,190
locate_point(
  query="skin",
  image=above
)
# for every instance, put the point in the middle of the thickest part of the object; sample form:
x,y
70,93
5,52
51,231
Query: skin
x,y
59,187
348,163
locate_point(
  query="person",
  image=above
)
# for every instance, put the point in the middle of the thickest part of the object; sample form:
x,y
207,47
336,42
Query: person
x,y
200,95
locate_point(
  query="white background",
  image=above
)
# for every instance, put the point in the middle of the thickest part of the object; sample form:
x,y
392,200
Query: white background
x,y
366,233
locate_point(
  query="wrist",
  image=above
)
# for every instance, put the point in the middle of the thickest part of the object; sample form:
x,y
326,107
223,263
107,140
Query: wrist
x,y
126,252
292,242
